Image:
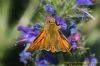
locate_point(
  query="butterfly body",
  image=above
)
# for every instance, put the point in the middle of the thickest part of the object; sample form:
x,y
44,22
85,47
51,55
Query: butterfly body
x,y
51,39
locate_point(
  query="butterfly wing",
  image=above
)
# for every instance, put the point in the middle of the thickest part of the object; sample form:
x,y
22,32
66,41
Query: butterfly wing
x,y
63,42
51,39
37,42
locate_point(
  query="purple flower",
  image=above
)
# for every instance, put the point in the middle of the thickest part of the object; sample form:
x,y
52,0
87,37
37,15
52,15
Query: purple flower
x,y
51,59
61,22
29,34
93,61
41,62
46,59
25,56
29,37
24,29
36,27
50,9
73,28
74,35
74,39
73,43
84,2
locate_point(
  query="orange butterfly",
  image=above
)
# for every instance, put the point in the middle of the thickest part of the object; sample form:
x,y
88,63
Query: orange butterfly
x,y
50,39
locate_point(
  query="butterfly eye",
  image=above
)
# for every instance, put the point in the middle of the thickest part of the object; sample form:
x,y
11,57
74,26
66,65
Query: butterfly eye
x,y
49,21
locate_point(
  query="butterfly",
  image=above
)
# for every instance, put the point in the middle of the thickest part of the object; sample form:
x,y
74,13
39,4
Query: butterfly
x,y
50,39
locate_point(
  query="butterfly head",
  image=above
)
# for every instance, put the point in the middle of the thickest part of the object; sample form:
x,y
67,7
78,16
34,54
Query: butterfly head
x,y
50,19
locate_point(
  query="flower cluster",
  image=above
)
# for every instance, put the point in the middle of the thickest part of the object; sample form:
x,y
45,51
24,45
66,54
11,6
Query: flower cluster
x,y
92,61
74,35
28,36
25,56
45,60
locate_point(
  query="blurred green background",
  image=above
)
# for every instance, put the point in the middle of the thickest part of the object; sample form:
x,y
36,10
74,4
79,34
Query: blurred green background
x,y
27,12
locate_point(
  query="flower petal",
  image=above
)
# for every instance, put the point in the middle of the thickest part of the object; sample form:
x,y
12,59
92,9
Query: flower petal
x,y
49,9
84,2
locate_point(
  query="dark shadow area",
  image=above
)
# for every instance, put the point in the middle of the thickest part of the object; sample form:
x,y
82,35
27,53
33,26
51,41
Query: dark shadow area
x,y
17,9
11,57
